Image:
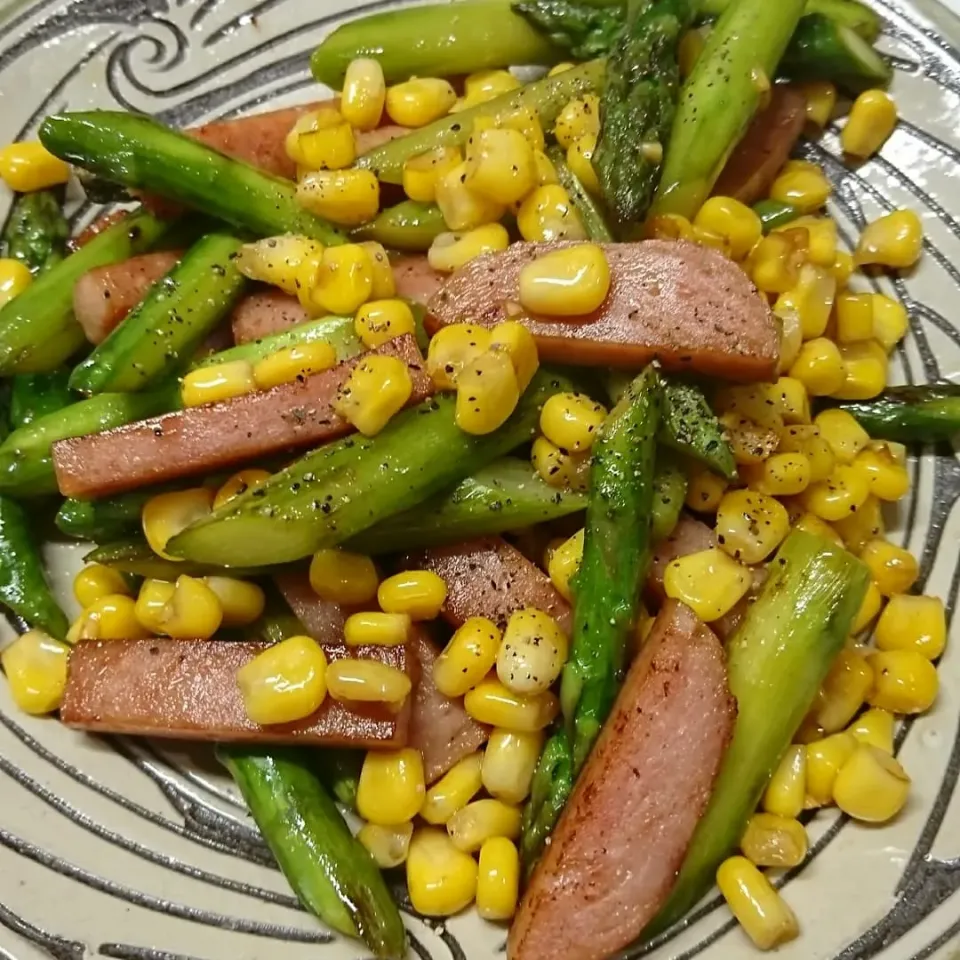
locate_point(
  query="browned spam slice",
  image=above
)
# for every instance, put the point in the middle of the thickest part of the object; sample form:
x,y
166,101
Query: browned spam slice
x,y
265,313
689,536
616,850
188,689
104,296
322,619
415,279
685,305
765,147
199,440
490,578
96,228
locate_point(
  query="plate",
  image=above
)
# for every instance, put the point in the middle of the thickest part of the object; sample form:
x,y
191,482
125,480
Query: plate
x,y
142,851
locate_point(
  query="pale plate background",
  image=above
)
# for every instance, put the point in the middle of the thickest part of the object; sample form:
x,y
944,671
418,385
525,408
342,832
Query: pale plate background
x,y
111,848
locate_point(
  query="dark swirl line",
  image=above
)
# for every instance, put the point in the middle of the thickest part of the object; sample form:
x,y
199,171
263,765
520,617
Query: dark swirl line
x,y
58,947
126,951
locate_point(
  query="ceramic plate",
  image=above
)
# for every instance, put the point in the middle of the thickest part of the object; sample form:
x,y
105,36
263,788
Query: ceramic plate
x,y
142,851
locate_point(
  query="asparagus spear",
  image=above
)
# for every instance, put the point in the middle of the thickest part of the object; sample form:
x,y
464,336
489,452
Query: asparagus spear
x,y
135,557
103,520
409,225
547,97
777,661
37,329
669,494
616,550
581,28
159,334
851,13
34,395
339,770
331,872
774,213
923,414
36,232
720,98
140,152
591,216
638,106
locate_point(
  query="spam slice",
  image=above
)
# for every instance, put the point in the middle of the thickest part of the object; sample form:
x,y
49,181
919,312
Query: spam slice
x,y
187,689
208,438
615,853
685,305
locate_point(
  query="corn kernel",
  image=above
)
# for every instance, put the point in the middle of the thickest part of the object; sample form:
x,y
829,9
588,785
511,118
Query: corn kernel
x,y
872,119
819,367
214,384
492,703
241,603
705,490
774,264
288,262
843,267
463,208
887,477
15,277
844,691
451,349
869,608
481,820
566,283
468,657
580,161
865,371
844,434
364,93
167,514
391,789
913,623
894,569
487,393
773,841
384,287
322,140
29,166
791,340
423,172
36,669
859,528
786,791
842,494
367,681
739,226
854,317
560,469
824,760
894,240
348,197
890,321
186,610
709,582
238,484
564,563
524,119
760,910
547,214
821,100
95,581
546,171
707,238
451,251
749,442
453,791
871,786
757,402
379,321
515,340
874,727
509,762
803,186
349,579
783,475
441,879
533,652
294,363
750,526
500,165
560,68
498,879
808,440
376,629
571,421
579,117
810,523
286,682
792,401
486,84
419,101
905,681
669,226
821,240
419,594
377,389
388,846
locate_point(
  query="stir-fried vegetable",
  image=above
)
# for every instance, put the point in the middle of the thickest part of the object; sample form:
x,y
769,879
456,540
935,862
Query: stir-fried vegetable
x,y
36,232
591,214
135,557
922,414
34,395
409,225
101,521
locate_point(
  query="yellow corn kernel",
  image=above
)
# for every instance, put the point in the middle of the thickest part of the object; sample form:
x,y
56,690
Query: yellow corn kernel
x,y
871,786
844,690
821,98
487,393
492,703
859,528
238,484
792,401
705,490
821,240
498,879
807,733
749,442
824,760
500,165
378,388
774,841
341,577
580,161
152,602
774,264
367,681
564,563
95,581
894,569
241,602
760,910
841,430
757,402
509,762
819,528
807,439
842,494
477,822
854,312
560,68
451,349
894,240
36,669
803,186
377,629
348,197
707,238
709,582
423,172
364,93
782,475
217,383
15,277
913,623
286,682
865,371
487,84
441,879
791,340
533,652
294,363
819,367
905,681
669,226
874,727
419,594
378,321
547,214
463,208
739,226
166,514
322,140
869,608
453,791
579,117
515,340
29,166
787,789
872,119
750,525
288,262
546,171
451,251
566,283
524,119
560,469
691,46
388,846
886,476
190,611
843,267
468,657
890,321
419,101
391,789
571,421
